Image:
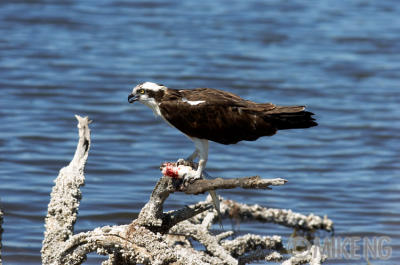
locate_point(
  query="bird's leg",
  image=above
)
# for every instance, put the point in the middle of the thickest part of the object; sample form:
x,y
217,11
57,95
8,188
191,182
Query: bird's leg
x,y
202,147
193,155
202,152
200,168
189,159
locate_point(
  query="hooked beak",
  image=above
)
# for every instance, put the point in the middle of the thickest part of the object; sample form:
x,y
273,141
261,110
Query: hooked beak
x,y
132,98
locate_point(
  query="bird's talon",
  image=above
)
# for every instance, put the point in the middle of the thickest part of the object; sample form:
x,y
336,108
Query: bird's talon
x,y
186,182
180,161
190,179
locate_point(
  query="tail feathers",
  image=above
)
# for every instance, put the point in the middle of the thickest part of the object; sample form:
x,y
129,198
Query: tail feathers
x,y
292,118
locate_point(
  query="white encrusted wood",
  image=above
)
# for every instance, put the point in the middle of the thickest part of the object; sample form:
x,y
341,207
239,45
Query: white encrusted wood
x,y
65,197
156,237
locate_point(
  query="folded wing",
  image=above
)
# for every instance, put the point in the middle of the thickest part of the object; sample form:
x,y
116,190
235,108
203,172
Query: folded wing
x,y
225,118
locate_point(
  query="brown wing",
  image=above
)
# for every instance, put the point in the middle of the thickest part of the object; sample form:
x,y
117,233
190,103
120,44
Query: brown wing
x,y
223,117
215,96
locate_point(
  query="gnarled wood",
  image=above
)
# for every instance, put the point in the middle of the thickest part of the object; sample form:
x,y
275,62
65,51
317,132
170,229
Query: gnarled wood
x,y
158,237
65,198
255,182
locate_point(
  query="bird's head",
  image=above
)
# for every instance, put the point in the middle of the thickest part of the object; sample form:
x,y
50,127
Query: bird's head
x,y
147,93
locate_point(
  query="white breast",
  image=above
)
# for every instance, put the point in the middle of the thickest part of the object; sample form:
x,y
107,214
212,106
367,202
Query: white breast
x,y
152,104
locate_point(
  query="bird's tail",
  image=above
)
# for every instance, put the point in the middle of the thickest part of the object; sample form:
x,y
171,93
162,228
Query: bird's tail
x,y
293,117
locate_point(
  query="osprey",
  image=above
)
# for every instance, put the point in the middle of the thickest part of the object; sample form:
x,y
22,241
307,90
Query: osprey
x,y
204,114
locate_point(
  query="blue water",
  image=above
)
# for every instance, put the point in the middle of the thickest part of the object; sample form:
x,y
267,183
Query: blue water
x,y
340,58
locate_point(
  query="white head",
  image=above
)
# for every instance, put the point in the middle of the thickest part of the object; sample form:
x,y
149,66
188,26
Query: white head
x,y
149,94
152,86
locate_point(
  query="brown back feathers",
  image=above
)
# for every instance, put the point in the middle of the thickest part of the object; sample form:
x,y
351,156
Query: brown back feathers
x,y
226,118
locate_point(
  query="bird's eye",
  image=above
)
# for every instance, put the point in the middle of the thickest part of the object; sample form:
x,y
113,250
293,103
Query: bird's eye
x,y
141,91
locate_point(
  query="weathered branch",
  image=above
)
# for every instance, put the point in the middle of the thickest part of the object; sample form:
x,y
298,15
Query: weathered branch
x,y
312,256
244,244
260,254
173,217
130,245
255,182
284,217
201,233
249,247
183,169
65,197
156,237
152,213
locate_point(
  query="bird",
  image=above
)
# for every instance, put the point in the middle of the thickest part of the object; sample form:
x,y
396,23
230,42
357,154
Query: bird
x,y
207,114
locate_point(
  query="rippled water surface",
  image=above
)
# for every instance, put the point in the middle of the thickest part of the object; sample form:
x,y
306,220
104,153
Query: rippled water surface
x,y
340,58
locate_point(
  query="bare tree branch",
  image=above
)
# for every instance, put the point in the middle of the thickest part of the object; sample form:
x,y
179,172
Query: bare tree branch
x,y
65,197
244,244
255,182
152,214
260,254
182,169
312,256
280,216
156,237
201,233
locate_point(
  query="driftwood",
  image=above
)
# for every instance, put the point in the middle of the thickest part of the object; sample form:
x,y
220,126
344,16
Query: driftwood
x,y
158,237
203,185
